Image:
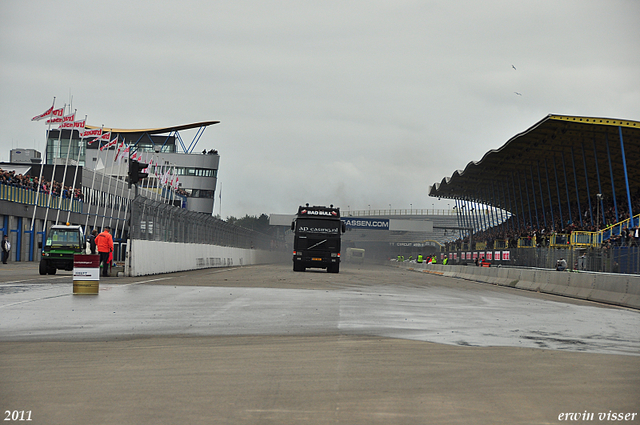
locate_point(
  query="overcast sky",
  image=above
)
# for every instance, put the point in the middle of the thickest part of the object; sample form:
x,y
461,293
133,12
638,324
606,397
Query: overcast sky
x,y
351,103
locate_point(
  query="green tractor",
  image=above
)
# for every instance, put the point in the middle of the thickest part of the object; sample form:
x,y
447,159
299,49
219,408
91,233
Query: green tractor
x,y
63,242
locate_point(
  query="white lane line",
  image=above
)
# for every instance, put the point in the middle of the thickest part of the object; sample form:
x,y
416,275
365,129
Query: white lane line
x,y
34,299
144,281
37,279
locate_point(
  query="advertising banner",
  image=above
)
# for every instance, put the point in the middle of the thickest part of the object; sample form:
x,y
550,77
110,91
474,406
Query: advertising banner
x,y
86,274
367,223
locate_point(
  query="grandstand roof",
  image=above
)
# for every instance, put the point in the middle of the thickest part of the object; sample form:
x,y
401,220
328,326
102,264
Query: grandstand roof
x,y
556,144
160,130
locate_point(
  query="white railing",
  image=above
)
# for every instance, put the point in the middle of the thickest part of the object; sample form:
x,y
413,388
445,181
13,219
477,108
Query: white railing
x,y
408,211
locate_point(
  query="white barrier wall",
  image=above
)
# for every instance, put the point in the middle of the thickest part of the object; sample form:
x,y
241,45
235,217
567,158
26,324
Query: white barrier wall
x,y
153,257
610,288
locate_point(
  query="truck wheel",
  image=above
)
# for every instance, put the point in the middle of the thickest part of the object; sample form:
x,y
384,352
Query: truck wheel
x,y
333,268
298,267
53,270
43,267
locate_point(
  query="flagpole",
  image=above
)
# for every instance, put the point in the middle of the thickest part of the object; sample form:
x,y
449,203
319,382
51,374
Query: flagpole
x,y
220,202
93,179
170,182
104,216
174,184
157,172
95,222
124,183
144,206
53,172
75,176
35,207
64,175
149,163
120,208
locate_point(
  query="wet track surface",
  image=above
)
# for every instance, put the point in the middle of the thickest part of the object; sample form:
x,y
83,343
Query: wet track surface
x,y
272,300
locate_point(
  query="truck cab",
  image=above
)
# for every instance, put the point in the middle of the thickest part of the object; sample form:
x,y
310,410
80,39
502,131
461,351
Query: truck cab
x,y
316,242
63,242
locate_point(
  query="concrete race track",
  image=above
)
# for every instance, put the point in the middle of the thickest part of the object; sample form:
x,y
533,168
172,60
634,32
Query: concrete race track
x,y
263,344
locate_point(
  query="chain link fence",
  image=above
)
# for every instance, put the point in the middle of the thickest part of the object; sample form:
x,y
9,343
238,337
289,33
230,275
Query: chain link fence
x,y
616,259
156,221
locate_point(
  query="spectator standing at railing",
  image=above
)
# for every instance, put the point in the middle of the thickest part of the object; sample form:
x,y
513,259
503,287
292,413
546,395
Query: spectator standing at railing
x,y
625,236
635,236
6,248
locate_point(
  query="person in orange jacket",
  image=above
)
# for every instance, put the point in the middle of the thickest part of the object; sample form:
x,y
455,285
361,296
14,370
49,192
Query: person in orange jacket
x,y
104,242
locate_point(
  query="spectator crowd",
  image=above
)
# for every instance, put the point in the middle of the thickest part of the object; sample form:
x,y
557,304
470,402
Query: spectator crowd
x,y
28,182
515,228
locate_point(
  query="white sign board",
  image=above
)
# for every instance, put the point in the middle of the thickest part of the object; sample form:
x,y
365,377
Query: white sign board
x,y
410,225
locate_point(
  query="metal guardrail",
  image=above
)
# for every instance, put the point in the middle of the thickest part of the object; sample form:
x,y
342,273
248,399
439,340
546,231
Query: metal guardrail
x,y
27,196
500,244
526,243
559,240
616,229
584,239
389,212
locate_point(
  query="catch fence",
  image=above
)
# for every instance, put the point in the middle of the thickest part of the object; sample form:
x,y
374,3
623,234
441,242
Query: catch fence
x,y
156,221
614,259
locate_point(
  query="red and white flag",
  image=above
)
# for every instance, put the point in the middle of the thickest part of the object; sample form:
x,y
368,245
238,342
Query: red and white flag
x,y
67,121
91,133
104,137
118,149
44,115
165,177
56,116
79,124
110,144
174,180
122,152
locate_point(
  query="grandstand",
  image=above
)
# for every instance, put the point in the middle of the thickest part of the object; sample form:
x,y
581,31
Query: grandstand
x,y
568,182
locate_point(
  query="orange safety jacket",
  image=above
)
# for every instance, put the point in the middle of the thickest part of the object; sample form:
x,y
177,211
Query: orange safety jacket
x,y
104,242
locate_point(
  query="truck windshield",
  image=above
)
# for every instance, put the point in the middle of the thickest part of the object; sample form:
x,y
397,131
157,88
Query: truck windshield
x,y
318,226
63,237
